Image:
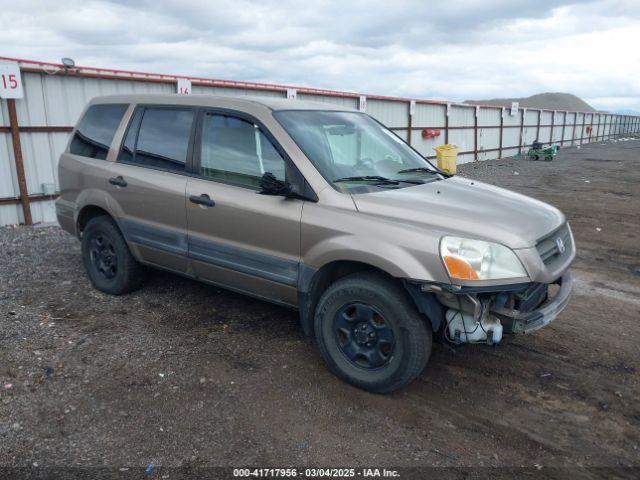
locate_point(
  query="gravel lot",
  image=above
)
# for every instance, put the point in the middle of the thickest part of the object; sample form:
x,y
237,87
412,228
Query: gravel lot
x,y
184,374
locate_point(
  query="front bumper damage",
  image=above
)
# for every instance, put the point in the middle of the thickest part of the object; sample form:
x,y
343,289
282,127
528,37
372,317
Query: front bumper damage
x,y
526,322
485,315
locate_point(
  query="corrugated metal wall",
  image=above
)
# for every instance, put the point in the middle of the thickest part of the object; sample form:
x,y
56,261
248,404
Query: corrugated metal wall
x,y
53,103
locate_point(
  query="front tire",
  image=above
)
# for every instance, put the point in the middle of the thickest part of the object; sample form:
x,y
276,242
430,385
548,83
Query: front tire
x,y
107,259
370,334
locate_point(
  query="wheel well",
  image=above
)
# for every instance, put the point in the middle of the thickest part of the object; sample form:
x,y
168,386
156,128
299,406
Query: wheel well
x,y
86,214
335,270
314,282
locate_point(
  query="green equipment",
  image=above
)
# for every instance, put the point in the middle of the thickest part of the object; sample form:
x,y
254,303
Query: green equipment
x,y
538,151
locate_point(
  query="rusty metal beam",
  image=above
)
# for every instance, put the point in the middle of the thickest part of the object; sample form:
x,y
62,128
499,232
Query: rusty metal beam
x,y
32,198
17,154
43,129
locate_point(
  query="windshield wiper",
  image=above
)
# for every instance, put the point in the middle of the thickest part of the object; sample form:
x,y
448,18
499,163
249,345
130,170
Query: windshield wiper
x,y
418,169
378,179
426,170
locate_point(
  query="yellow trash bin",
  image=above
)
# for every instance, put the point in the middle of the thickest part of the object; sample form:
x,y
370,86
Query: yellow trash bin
x,y
447,156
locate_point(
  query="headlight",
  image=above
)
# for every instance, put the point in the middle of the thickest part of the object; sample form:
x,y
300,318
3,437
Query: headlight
x,y
467,259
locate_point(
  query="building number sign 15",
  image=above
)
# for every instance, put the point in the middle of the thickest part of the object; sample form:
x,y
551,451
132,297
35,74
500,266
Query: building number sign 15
x,y
10,81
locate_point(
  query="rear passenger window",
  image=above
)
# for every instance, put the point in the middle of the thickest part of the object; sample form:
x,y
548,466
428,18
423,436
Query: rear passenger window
x,y
237,151
161,140
95,131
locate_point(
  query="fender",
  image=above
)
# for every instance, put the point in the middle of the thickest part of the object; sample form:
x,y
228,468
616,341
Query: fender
x,y
393,259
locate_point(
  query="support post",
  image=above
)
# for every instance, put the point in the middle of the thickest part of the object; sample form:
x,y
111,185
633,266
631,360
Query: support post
x,y
446,124
575,120
17,154
475,134
501,132
409,124
564,125
553,122
522,130
538,127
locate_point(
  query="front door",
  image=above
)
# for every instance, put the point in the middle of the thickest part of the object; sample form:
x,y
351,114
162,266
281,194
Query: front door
x,y
148,183
238,238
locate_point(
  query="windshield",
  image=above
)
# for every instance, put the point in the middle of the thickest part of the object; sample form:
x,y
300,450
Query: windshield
x,y
350,149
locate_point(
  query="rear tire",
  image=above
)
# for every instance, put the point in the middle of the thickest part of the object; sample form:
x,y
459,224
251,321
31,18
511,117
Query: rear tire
x,y
370,334
107,259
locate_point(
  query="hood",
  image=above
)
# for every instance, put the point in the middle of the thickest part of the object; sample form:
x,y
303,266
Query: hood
x,y
467,208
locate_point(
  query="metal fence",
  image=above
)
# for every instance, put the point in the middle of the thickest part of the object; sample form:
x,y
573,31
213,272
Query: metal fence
x,y
34,129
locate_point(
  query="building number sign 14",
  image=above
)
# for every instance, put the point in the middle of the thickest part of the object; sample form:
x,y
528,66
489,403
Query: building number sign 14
x,y
10,81
184,86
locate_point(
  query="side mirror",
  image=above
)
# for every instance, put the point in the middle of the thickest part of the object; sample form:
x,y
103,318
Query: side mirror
x,y
270,185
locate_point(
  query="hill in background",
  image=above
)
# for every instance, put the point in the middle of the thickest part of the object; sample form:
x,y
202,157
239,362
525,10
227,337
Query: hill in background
x,y
626,111
549,101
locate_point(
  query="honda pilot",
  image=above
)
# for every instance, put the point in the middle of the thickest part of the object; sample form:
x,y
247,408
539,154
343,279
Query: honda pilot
x,y
318,208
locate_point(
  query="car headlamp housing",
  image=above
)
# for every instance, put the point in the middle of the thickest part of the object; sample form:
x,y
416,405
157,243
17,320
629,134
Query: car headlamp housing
x,y
468,259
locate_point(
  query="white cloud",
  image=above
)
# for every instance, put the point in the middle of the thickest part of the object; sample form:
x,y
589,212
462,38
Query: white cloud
x,y
455,49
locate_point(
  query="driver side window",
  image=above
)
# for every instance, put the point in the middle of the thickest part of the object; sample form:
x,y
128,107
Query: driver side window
x,y
236,151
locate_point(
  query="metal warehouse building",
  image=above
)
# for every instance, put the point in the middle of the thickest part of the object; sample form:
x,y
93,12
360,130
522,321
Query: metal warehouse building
x,y
34,129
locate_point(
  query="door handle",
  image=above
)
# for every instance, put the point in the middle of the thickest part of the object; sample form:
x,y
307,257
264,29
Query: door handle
x,y
203,199
118,181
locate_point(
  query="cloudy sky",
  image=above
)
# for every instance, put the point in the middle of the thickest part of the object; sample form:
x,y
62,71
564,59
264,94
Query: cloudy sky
x,y
452,49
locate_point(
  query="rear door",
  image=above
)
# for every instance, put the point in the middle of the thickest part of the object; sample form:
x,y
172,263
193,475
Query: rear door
x,y
237,237
84,167
148,183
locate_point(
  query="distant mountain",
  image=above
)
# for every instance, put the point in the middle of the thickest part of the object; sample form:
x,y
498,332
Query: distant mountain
x,y
549,101
626,111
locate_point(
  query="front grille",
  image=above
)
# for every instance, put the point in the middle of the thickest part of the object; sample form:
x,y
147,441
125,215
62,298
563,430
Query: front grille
x,y
548,248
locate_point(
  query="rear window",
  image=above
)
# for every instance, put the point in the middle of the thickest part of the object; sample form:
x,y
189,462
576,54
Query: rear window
x,y
95,131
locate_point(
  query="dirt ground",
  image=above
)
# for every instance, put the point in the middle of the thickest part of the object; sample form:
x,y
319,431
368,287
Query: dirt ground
x,y
184,374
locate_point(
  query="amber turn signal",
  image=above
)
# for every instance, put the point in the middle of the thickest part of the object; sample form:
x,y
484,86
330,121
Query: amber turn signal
x,y
459,268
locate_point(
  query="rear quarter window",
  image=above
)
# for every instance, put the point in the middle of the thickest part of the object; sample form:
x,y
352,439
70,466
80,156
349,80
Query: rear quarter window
x,y
96,130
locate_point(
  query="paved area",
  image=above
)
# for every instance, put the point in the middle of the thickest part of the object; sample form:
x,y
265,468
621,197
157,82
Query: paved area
x,y
183,374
